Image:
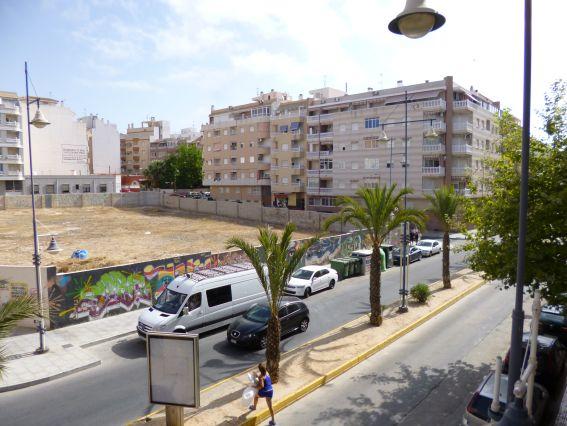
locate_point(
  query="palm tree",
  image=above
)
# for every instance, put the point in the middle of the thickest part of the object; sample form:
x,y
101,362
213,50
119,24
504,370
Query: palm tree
x,y
274,263
10,314
444,205
380,211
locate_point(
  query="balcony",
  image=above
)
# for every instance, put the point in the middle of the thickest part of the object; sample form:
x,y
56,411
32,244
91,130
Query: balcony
x,y
12,174
320,172
13,126
322,118
471,106
12,159
10,142
466,127
462,149
236,182
9,109
461,171
320,136
434,147
315,190
438,126
434,105
297,166
433,171
275,166
319,154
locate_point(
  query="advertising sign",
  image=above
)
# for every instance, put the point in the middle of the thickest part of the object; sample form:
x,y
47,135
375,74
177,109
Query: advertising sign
x,y
173,369
76,154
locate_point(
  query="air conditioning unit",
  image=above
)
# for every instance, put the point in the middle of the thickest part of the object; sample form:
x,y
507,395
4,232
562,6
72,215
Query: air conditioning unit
x,y
260,139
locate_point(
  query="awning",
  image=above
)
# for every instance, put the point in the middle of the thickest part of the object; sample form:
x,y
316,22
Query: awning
x,y
296,125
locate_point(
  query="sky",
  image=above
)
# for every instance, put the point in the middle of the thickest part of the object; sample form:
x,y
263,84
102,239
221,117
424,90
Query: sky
x,y
128,60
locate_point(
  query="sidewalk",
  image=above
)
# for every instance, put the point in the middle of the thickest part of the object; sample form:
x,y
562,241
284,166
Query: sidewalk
x,y
66,353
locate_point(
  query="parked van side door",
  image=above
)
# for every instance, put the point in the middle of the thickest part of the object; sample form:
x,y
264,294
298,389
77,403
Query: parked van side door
x,y
194,317
219,305
245,293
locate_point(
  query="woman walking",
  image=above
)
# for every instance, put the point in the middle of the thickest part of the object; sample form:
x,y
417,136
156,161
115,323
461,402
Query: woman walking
x,y
265,390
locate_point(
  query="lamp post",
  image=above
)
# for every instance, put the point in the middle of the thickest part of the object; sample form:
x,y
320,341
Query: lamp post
x,y
412,22
38,121
384,138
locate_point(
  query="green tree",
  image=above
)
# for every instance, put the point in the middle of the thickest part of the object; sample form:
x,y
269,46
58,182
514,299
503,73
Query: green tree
x,y
380,211
154,173
493,249
190,166
274,263
444,206
11,313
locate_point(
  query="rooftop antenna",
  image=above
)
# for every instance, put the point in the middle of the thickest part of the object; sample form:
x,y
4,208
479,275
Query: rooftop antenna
x,y
346,87
381,81
325,80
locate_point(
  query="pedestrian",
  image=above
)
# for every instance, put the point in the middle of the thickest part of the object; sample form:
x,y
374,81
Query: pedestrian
x,y
265,390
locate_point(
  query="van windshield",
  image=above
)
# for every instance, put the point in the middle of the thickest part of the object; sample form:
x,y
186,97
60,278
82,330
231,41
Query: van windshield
x,y
170,301
258,313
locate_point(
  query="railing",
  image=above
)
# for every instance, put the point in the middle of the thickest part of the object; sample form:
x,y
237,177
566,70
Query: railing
x,y
319,172
318,190
315,118
274,166
434,105
323,135
463,127
461,171
297,166
464,191
13,173
9,109
317,154
462,149
235,122
229,182
288,115
436,125
437,147
433,171
14,125
11,140
466,104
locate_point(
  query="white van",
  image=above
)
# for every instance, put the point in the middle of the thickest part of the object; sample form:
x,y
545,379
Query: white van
x,y
203,300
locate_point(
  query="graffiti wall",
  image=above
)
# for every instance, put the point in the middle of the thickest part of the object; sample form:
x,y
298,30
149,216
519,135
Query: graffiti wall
x,y
335,246
93,294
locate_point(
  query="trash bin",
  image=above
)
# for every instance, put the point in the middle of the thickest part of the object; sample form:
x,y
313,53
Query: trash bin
x,y
366,256
388,251
357,266
341,267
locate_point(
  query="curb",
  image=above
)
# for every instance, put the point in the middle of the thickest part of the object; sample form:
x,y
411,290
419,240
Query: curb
x,y
106,339
49,378
300,393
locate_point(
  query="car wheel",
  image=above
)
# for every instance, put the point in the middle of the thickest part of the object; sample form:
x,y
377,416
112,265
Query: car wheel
x,y
307,292
332,284
263,342
303,325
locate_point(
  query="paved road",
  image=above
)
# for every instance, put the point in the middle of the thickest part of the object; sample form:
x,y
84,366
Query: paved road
x,y
117,391
425,378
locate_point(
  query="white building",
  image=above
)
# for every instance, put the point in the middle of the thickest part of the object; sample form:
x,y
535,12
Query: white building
x,y
60,148
11,144
103,140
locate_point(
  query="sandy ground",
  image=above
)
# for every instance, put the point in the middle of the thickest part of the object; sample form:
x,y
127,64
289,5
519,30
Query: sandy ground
x,y
116,236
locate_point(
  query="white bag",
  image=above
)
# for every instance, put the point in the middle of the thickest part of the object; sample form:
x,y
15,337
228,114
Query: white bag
x,y
248,396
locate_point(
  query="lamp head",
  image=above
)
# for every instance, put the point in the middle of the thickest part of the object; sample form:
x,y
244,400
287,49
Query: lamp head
x,y
416,20
431,134
383,137
53,246
39,120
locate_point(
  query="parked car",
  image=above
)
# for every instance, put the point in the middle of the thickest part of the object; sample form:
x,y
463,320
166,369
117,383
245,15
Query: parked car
x,y
429,247
550,359
553,322
250,329
477,411
309,279
413,253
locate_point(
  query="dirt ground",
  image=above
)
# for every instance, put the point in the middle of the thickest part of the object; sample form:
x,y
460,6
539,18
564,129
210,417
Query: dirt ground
x,y
116,236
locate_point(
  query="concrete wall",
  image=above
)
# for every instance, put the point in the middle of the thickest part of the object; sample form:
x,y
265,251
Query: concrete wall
x,y
305,219
206,206
275,216
227,208
249,211
187,204
172,202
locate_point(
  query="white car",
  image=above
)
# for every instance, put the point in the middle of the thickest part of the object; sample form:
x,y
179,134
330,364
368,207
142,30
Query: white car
x,y
310,279
429,247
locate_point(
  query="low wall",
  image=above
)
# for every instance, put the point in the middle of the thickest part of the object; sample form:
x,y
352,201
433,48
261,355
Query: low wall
x,y
275,216
206,206
188,204
126,199
227,208
249,211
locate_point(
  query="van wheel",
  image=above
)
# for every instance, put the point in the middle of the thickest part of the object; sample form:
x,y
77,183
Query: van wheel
x,y
307,292
332,284
263,342
303,325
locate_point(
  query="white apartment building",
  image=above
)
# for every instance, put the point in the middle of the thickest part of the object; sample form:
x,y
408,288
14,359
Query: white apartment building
x,y
345,153
135,144
11,144
60,148
103,140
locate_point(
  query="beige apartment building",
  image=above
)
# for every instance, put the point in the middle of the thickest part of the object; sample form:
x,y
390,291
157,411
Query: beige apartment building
x,y
135,145
11,144
345,151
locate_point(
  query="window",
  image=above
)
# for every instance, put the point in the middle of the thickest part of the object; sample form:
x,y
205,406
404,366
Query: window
x,y
194,302
282,312
292,308
242,160
251,129
251,175
326,164
371,144
226,175
102,187
208,134
227,190
36,189
260,112
225,146
242,175
430,162
49,189
371,123
209,148
354,127
225,132
354,146
340,164
251,144
354,165
86,187
225,161
218,296
285,180
221,190
237,190
371,163
252,159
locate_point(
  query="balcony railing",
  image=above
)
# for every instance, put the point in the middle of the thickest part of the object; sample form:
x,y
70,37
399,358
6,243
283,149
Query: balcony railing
x,y
433,171
14,141
434,105
437,147
297,166
317,190
12,158
10,125
9,109
438,126
323,135
319,172
462,149
322,117
317,154
236,182
466,127
461,171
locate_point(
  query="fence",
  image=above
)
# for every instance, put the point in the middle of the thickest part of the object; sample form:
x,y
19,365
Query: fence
x,y
129,199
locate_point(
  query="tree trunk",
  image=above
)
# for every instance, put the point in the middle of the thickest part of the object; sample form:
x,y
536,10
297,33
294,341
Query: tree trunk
x,y
446,249
375,296
273,347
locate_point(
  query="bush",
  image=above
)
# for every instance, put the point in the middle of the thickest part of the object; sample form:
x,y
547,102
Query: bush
x,y
421,292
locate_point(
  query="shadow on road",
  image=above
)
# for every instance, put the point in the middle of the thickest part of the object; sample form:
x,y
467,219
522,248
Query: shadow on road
x,y
409,396
130,349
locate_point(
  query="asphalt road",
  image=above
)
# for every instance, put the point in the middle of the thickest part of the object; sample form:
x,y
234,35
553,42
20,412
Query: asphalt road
x,y
425,378
116,392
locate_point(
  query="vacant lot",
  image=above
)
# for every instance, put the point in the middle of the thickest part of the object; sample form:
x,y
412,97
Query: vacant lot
x,y
115,236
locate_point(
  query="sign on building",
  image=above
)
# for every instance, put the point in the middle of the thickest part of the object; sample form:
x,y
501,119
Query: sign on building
x,y
76,154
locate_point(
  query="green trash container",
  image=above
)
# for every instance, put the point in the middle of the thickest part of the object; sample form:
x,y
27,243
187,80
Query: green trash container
x,y
388,249
357,265
365,256
340,266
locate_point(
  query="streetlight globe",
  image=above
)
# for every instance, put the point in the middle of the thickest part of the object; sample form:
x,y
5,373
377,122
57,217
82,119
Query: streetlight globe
x,y
430,134
39,120
383,137
416,20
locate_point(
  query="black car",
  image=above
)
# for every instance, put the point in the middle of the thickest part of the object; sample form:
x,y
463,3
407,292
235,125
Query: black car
x,y
413,253
250,329
550,359
553,322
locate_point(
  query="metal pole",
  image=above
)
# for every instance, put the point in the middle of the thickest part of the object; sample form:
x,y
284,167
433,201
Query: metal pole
x,y
391,155
518,313
36,256
403,307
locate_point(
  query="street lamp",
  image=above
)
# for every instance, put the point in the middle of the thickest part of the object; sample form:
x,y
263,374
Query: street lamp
x,y
40,122
416,20
515,410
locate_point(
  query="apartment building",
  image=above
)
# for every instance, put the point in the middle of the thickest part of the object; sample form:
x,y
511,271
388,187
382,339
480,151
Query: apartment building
x,y
237,149
11,144
103,141
346,151
135,144
161,148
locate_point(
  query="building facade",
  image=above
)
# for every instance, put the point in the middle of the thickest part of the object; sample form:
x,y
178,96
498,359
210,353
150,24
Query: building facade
x,y
11,144
345,151
73,184
135,145
161,148
103,141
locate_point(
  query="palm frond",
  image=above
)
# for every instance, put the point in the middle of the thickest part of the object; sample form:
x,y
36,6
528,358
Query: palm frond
x,y
15,310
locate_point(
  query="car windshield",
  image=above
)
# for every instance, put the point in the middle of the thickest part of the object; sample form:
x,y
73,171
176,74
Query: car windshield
x,y
554,319
170,301
258,313
425,244
302,274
